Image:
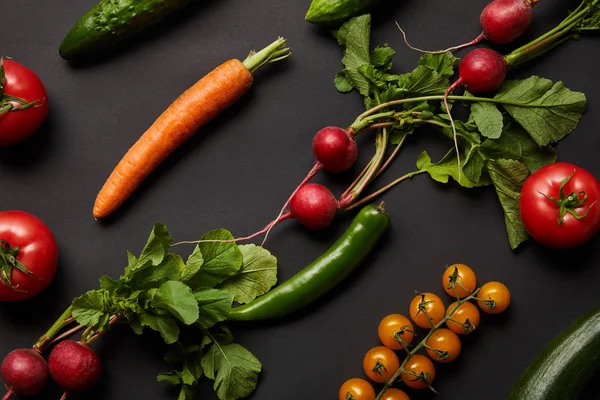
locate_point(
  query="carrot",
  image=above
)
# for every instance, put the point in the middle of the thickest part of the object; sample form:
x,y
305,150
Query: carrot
x,y
208,97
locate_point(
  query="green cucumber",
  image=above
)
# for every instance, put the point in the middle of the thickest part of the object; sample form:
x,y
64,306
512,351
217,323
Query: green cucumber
x,y
562,369
111,21
330,12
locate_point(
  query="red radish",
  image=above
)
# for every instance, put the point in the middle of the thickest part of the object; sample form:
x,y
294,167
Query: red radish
x,y
335,149
481,71
505,20
502,21
24,372
74,366
314,206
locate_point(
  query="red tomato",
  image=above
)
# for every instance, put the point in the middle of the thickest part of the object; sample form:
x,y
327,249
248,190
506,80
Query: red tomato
x,y
23,84
29,239
561,218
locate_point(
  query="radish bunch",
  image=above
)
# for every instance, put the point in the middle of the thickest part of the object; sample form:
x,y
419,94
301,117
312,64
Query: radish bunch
x,y
72,365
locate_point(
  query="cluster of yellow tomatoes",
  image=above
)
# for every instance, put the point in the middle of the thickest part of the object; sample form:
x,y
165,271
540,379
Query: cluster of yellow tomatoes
x,y
396,333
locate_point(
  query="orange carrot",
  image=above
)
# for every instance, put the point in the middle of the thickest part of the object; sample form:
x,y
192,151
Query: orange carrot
x,y
208,97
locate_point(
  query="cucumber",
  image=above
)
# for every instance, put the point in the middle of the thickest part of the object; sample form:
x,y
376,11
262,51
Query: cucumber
x,y
110,22
562,369
331,12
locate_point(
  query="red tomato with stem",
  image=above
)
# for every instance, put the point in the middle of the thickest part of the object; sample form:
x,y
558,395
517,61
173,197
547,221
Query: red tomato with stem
x,y
28,256
559,205
23,102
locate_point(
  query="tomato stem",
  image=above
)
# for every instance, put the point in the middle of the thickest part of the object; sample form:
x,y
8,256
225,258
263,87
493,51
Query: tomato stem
x,y
8,261
569,203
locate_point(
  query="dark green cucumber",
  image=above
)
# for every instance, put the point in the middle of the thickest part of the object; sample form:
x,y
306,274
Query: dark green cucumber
x,y
330,12
111,21
562,369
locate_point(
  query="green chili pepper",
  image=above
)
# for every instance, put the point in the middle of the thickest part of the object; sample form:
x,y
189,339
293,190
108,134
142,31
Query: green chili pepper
x,y
323,274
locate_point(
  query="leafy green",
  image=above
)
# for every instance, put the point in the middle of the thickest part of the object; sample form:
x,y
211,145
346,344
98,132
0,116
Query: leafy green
x,y
177,298
163,324
221,259
508,177
90,308
444,169
155,250
548,111
443,63
233,368
488,119
256,277
214,306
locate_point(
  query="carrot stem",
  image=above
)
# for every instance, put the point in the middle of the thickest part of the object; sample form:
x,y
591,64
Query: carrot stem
x,y
276,51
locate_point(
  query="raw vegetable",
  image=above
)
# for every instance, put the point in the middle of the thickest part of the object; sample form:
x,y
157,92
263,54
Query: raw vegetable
x,y
505,138
396,331
442,345
23,102
325,272
502,22
332,12
459,280
208,97
465,318
357,389
110,22
380,364
25,372
426,309
561,370
28,256
314,206
558,205
334,148
419,372
395,394
74,366
493,298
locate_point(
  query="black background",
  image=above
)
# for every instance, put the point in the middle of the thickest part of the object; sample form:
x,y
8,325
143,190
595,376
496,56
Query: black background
x,y
237,171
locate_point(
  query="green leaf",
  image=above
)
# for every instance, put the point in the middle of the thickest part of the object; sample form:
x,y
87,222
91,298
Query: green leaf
x,y
214,306
354,37
177,298
533,156
256,277
548,111
508,177
221,259
172,377
131,259
90,309
442,170
187,393
341,83
193,265
506,146
233,368
382,57
442,63
488,119
169,269
156,248
423,81
163,324
107,283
